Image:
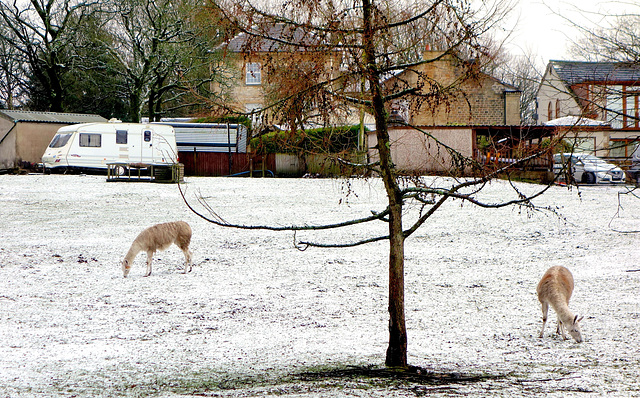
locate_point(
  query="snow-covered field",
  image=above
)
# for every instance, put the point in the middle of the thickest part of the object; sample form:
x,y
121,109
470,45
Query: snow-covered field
x,y
256,312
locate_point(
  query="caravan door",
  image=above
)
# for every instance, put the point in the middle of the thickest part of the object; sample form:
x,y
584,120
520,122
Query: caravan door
x,y
158,147
146,146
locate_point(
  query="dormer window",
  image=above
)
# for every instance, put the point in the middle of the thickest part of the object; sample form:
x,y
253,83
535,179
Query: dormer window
x,y
254,73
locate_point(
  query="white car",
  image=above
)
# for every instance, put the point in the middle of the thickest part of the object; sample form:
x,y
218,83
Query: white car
x,y
587,169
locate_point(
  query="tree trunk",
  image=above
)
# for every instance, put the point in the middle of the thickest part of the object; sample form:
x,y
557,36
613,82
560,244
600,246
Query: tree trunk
x,y
135,104
397,350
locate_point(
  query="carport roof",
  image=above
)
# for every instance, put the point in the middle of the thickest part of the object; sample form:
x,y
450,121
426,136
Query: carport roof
x,y
50,117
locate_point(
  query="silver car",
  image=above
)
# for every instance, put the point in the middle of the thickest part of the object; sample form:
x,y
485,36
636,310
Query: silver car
x,y
587,169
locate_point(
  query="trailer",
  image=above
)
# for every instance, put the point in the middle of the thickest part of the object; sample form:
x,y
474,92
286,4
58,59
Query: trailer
x,y
93,147
209,137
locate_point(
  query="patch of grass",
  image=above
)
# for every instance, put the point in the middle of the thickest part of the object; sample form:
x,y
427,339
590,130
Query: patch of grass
x,y
415,375
323,380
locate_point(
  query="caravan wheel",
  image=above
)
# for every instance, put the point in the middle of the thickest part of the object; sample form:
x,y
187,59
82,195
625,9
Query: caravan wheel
x,y
121,170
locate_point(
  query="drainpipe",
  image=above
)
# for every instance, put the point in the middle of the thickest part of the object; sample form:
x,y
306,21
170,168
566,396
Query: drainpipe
x,y
8,132
504,105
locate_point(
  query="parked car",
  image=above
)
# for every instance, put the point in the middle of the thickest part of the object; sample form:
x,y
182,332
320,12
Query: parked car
x,y
587,169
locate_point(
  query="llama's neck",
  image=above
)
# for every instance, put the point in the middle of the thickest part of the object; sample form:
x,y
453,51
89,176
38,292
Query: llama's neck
x,y
133,252
564,313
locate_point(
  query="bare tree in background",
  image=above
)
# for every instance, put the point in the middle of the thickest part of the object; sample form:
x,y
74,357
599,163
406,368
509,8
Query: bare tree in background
x,y
13,81
522,72
42,32
157,48
370,37
613,37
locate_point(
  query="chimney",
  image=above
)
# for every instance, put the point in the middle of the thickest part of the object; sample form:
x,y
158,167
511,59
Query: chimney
x,y
430,54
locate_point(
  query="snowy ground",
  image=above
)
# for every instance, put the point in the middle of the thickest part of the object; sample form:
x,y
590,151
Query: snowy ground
x,y
255,312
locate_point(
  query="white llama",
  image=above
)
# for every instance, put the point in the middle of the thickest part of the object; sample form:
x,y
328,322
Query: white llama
x,y
160,237
555,289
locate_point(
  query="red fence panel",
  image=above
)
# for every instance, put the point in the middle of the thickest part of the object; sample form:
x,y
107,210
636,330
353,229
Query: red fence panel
x,y
215,164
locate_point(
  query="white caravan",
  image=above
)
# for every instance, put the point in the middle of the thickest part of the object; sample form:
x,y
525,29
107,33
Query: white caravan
x,y
92,146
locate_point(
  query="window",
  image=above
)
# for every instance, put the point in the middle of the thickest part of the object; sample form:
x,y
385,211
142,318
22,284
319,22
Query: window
x,y
631,107
147,135
90,140
623,106
557,108
622,148
585,144
121,136
59,140
549,112
254,73
614,106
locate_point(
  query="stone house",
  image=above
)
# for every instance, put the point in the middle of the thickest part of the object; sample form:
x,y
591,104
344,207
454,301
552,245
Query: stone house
x,y
605,94
262,66
25,135
480,100
464,95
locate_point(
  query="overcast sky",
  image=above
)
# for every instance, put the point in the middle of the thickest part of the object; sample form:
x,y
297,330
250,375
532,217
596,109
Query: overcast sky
x,y
540,25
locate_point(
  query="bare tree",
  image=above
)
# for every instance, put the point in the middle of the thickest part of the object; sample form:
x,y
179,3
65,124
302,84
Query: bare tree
x,y
159,52
522,72
610,36
365,34
42,31
13,81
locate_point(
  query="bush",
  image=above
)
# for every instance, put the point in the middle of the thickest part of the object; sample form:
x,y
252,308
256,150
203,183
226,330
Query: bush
x,y
323,140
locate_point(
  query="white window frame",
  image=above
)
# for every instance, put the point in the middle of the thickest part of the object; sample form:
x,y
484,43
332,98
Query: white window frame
x,y
253,76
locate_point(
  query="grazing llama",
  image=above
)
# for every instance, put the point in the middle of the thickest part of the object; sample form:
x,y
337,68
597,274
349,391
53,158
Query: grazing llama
x,y
160,237
555,289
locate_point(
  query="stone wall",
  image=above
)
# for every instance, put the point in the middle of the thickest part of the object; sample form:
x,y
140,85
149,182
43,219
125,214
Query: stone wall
x,y
462,95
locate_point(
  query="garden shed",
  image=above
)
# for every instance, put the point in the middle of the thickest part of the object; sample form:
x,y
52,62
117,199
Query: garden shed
x,y
24,135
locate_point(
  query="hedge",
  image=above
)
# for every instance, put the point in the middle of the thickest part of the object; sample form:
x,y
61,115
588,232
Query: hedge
x,y
322,140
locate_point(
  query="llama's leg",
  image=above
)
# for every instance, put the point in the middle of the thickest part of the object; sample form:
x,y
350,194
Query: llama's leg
x,y
149,258
187,260
545,311
560,329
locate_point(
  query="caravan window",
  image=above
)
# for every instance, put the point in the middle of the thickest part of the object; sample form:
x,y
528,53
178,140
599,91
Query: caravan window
x,y
147,135
90,140
121,136
59,140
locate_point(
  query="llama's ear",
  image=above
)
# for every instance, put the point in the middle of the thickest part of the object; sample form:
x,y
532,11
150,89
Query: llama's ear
x,y
578,320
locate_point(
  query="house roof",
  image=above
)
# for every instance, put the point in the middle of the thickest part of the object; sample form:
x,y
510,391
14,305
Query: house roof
x,y
575,72
50,117
273,38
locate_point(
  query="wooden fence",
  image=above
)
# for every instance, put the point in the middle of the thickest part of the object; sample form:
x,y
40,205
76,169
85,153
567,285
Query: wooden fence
x,y
225,164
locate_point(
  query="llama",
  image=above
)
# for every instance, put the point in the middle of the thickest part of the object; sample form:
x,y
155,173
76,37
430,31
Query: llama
x,y
160,237
555,289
